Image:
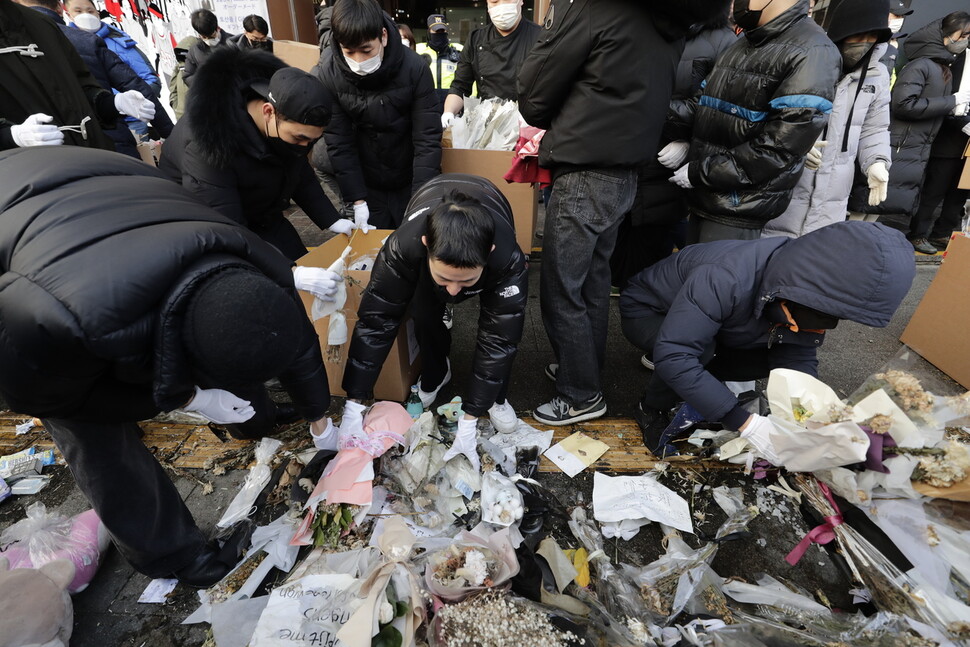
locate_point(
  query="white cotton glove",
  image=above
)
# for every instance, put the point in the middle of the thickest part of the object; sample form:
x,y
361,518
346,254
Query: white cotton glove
x,y
447,119
963,98
342,226
814,158
466,442
134,104
673,154
758,432
361,216
966,129
325,435
319,282
878,176
220,407
680,178
352,421
35,132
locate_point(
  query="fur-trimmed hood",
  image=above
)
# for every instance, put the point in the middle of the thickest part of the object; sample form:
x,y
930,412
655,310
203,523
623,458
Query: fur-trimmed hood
x,y
217,104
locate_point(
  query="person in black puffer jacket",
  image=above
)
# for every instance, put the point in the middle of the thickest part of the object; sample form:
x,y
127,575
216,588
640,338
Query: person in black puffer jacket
x,y
923,99
384,140
122,296
763,106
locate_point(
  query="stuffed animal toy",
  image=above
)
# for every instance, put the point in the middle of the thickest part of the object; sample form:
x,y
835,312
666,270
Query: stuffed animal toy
x,y
35,607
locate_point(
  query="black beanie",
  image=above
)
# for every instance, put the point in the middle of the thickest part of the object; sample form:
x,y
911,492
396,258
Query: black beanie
x,y
241,326
853,17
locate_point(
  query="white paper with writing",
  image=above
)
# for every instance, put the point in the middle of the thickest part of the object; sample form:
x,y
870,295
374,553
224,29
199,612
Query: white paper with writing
x,y
307,612
638,497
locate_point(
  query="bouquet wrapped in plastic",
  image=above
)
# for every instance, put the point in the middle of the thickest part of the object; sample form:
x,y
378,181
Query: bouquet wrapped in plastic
x,y
471,565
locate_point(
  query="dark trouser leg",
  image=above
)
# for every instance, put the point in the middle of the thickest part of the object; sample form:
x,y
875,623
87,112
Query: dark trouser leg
x,y
387,207
637,248
951,213
582,219
700,230
941,173
130,491
434,338
281,234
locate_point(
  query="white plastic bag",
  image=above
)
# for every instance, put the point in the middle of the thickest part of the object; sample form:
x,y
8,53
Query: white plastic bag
x,y
502,502
256,480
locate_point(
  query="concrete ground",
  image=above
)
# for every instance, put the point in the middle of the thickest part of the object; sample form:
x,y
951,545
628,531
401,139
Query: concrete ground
x,y
108,612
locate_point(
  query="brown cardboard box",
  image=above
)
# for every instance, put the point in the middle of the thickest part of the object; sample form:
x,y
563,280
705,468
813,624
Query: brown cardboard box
x,y
938,329
292,20
493,165
402,365
297,54
964,182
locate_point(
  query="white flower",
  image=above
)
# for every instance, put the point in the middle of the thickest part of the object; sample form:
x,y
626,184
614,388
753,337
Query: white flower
x,y
386,613
475,569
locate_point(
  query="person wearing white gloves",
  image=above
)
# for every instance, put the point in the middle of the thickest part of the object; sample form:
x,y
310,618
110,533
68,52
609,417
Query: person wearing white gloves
x,y
856,138
457,242
243,143
193,313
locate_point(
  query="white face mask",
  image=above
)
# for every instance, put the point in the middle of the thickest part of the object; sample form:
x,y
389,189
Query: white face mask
x,y
504,16
87,22
369,66
406,42
896,24
211,42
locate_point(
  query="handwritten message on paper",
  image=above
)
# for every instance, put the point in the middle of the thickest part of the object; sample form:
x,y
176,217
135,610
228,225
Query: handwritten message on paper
x,y
638,497
308,612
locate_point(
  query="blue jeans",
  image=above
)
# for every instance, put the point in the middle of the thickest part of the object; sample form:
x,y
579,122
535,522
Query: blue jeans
x,y
582,218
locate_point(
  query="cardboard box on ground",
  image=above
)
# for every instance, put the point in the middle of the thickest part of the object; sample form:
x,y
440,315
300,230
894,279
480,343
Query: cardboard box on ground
x,y
938,330
493,165
403,361
299,55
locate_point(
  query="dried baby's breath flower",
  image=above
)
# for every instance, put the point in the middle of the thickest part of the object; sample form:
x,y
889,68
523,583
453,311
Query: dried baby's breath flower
x,y
932,538
908,391
960,403
880,423
944,471
495,619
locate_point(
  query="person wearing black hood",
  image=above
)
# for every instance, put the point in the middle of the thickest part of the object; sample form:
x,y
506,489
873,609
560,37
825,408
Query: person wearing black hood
x,y
242,145
927,94
384,140
734,310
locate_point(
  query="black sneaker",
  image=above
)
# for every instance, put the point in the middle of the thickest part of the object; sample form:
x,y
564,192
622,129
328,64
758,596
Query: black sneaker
x,y
922,246
558,412
939,243
448,318
204,571
652,423
551,370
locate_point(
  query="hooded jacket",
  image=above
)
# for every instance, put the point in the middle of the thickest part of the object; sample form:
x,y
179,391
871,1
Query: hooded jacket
x,y
127,50
58,83
720,292
386,127
578,82
93,287
218,154
921,98
403,262
821,196
763,106
199,53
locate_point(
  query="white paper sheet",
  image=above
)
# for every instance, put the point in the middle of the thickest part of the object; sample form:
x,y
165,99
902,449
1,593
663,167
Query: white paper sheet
x,y
157,591
638,497
307,612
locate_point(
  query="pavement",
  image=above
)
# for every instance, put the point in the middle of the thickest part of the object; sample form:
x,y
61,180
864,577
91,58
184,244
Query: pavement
x,y
108,613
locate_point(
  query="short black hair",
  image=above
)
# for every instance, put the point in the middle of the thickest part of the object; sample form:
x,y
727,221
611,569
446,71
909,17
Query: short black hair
x,y
204,22
252,22
956,21
354,22
460,231
46,4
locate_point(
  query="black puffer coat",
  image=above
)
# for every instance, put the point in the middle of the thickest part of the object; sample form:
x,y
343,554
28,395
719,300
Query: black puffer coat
x,y
386,127
217,153
402,262
97,256
764,104
921,98
57,83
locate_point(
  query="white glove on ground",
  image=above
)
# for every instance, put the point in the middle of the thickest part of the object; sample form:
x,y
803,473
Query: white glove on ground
x,y
134,104
814,158
324,434
342,226
447,119
680,178
352,421
503,417
220,407
466,442
361,216
878,177
673,154
757,432
35,132
318,281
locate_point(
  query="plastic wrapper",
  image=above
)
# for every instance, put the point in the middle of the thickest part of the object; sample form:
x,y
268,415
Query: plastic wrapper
x,y
502,502
43,537
259,475
770,592
470,565
492,124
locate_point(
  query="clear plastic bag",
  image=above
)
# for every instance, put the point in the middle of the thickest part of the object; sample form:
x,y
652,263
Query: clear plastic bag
x,y
470,565
502,502
256,480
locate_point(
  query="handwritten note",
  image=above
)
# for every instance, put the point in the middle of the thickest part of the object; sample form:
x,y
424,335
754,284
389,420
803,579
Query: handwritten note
x,y
638,497
308,612
577,452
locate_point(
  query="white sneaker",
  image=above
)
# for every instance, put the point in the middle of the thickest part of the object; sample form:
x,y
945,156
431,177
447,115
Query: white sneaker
x,y
503,417
428,398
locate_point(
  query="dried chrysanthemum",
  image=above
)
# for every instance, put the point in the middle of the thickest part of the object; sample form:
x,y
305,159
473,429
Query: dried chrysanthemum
x,y
880,423
943,471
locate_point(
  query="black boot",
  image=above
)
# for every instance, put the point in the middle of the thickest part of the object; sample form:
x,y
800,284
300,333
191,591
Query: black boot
x,y
652,423
204,571
286,413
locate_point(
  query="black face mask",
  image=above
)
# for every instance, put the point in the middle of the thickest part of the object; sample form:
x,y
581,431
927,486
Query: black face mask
x,y
283,148
744,17
263,45
438,41
852,54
